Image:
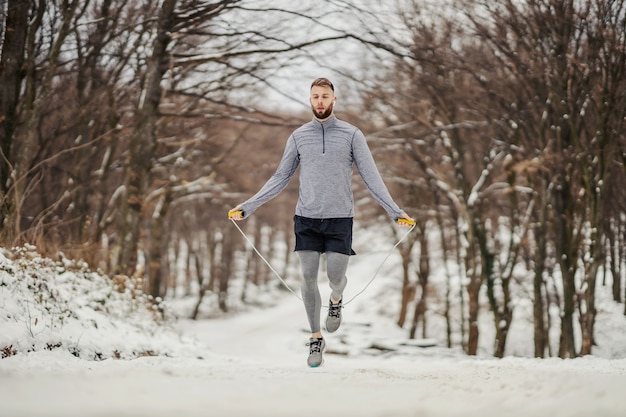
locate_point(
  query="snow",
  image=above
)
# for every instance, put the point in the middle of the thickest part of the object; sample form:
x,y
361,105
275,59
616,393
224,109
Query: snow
x,y
252,361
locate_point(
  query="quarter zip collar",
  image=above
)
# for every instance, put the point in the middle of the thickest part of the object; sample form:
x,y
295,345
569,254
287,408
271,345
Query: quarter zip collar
x,y
323,125
330,121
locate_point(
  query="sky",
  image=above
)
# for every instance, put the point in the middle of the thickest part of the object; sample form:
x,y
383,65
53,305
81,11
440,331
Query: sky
x,y
252,361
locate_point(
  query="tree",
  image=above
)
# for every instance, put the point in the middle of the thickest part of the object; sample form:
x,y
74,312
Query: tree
x,y
506,116
564,66
91,134
11,76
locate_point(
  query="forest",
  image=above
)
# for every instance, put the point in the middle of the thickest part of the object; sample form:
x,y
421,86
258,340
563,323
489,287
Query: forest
x,y
128,129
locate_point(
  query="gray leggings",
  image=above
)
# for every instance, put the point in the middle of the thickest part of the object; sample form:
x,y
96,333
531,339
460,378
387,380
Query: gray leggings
x,y
336,266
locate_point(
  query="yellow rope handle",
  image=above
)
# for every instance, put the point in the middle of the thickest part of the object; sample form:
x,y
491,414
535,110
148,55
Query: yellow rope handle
x,y
405,222
232,213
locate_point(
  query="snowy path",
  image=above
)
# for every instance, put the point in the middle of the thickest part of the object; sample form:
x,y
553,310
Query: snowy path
x,y
255,366
258,369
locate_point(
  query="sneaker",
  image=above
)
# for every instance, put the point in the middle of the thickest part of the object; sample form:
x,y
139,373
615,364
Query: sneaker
x,y
316,348
334,316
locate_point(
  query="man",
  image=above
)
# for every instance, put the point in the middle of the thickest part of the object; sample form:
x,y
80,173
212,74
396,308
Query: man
x,y
325,149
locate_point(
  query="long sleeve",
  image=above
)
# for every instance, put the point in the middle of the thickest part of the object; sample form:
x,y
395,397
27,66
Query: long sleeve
x,y
364,162
277,182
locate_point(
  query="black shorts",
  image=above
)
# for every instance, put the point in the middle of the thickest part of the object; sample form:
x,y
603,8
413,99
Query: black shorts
x,y
324,235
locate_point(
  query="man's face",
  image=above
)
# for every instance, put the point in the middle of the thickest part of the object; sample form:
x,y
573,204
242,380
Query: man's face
x,y
322,101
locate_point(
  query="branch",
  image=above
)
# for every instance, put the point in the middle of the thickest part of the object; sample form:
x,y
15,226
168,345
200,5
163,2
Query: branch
x,y
182,61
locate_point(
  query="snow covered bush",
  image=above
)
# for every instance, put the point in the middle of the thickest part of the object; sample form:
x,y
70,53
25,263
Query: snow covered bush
x,y
46,304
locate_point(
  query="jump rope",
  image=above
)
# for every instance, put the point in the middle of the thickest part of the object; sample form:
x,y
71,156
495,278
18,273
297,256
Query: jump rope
x,y
400,221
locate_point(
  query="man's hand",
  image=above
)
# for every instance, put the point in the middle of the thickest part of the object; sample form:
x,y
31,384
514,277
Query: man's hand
x,y
406,220
235,213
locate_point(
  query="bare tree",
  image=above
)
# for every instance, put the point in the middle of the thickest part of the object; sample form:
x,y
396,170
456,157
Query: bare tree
x,y
513,131
14,35
564,62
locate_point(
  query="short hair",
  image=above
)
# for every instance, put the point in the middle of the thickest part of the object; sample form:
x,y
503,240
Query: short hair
x,y
323,82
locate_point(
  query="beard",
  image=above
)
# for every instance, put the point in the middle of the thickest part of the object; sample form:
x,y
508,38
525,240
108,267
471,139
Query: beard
x,y
326,112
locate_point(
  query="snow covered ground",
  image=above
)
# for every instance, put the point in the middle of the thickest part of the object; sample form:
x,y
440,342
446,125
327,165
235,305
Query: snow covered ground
x,y
253,362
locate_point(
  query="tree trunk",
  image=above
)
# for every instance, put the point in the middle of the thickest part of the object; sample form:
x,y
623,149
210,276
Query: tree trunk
x,y
225,269
616,249
445,251
566,258
23,155
423,278
143,142
155,254
408,289
501,310
567,348
594,259
588,315
505,317
473,295
462,276
538,304
208,283
472,318
287,257
11,76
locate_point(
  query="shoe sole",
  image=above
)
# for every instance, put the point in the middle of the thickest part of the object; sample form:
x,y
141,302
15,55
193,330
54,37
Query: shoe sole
x,y
330,330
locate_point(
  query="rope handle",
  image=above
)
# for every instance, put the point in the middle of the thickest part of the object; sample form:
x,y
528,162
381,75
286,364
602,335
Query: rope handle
x,y
232,214
404,222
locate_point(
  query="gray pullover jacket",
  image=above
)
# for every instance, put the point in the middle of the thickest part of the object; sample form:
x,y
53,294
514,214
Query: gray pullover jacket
x,y
325,151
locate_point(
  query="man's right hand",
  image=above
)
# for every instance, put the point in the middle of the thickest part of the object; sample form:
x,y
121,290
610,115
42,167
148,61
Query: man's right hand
x,y
235,214
406,220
